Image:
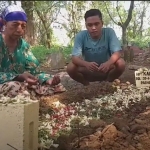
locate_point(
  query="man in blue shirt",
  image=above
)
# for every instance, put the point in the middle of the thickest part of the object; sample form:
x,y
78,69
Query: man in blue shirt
x,y
96,53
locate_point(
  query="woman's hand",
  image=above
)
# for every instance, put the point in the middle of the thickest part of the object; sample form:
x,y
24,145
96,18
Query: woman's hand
x,y
29,78
54,81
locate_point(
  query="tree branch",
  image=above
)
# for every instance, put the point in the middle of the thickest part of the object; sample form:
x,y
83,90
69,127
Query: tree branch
x,y
110,14
41,17
129,14
119,13
64,17
54,18
142,19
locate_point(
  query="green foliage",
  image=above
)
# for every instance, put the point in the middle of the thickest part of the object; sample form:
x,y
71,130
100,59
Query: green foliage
x,y
67,52
101,5
142,43
70,14
72,23
47,12
41,52
54,41
136,26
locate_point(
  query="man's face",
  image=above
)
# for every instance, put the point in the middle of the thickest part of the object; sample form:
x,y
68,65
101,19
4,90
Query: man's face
x,y
94,25
15,29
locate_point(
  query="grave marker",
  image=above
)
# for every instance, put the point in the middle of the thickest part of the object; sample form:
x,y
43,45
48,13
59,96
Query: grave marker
x,y
19,126
56,60
142,79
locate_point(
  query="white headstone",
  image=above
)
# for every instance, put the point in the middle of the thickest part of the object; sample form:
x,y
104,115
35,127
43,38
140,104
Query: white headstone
x,y
142,79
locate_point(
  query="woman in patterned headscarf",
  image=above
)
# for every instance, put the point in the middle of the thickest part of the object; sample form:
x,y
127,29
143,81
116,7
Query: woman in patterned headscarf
x,y
17,61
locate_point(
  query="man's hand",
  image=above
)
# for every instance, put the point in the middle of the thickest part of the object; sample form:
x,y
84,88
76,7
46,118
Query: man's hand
x,y
54,81
105,67
29,78
92,66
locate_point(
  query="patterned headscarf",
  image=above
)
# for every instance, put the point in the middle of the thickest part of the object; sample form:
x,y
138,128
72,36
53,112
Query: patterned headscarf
x,y
14,13
1,21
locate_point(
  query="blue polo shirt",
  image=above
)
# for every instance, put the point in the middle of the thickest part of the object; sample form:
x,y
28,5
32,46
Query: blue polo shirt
x,y
98,51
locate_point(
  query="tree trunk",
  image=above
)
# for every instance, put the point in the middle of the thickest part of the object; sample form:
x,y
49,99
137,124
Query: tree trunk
x,y
122,24
28,7
48,39
142,20
47,29
124,36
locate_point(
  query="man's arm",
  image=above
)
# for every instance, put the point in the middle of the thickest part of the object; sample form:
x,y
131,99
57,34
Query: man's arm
x,y
114,46
115,56
32,66
77,51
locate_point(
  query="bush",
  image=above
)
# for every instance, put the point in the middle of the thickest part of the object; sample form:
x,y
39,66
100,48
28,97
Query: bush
x,y
142,43
41,52
67,52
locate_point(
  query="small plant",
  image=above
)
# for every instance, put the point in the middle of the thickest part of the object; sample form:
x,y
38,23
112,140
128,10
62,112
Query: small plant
x,y
41,52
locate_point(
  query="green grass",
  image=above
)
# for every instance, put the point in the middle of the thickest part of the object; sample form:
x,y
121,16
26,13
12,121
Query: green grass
x,y
41,52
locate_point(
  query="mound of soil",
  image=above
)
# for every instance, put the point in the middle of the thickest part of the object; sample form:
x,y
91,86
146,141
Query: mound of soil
x,y
125,133
128,131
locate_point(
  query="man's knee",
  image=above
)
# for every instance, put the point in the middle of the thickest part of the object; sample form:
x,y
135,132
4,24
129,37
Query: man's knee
x,y
120,65
71,68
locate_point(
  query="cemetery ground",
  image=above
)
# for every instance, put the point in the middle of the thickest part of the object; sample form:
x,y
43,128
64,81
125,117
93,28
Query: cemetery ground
x,y
101,116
